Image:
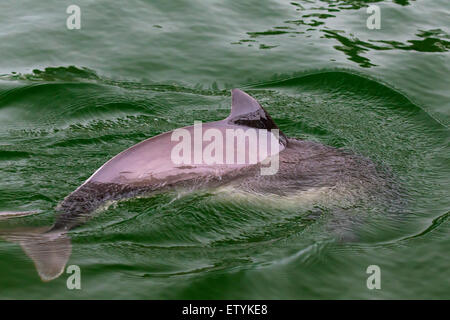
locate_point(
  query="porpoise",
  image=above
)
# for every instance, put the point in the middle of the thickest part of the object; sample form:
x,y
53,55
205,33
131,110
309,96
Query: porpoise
x,y
149,167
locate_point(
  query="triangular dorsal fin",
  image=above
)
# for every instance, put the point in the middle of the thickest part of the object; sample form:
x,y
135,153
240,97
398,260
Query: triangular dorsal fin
x,y
242,103
246,111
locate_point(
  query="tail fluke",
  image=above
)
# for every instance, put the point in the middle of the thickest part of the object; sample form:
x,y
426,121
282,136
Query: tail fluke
x,y
50,251
14,214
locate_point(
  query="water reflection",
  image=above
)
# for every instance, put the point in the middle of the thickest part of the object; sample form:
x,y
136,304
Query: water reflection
x,y
315,23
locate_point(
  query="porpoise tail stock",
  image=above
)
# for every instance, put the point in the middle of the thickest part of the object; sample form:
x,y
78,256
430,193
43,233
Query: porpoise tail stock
x,y
246,151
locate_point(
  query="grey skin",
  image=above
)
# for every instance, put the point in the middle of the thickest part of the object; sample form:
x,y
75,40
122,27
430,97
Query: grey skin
x,y
147,168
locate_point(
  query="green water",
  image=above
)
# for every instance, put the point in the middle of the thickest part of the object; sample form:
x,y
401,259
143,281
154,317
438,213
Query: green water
x,y
72,99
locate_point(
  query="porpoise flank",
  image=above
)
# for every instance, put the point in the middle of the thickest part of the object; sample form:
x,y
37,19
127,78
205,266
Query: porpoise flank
x,y
148,167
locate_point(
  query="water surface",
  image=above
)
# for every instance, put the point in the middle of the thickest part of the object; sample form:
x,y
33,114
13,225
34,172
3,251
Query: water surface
x,y
72,99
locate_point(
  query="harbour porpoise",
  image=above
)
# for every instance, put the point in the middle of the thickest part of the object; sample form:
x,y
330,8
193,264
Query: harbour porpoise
x,y
161,163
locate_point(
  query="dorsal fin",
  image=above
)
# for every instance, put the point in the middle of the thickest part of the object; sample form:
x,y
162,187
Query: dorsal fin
x,y
246,111
242,103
